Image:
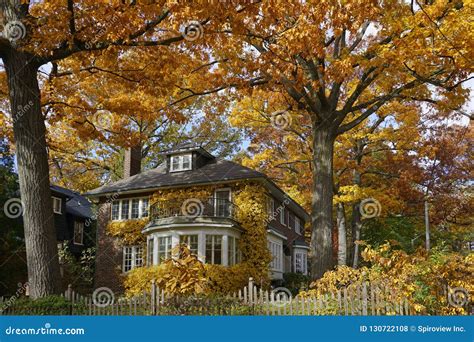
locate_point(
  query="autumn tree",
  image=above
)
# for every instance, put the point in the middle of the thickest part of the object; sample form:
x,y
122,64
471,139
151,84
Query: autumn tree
x,y
338,64
38,33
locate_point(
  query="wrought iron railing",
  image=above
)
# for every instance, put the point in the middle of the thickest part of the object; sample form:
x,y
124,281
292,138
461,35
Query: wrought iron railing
x,y
194,207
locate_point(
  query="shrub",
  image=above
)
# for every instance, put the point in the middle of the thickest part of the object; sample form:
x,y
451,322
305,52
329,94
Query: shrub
x,y
50,305
295,282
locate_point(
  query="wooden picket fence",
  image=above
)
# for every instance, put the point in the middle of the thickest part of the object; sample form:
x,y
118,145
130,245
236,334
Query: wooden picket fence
x,y
364,299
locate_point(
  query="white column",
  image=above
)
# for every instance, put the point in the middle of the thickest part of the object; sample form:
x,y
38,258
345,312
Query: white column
x,y
225,249
155,250
202,247
174,239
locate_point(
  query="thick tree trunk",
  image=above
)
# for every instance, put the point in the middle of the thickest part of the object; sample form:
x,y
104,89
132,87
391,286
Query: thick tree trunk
x,y
29,131
341,235
321,217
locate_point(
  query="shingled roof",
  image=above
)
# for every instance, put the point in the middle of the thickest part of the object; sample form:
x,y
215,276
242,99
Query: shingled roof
x,y
217,170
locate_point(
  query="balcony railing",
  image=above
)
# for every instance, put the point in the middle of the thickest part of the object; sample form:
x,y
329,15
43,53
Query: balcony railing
x,y
194,207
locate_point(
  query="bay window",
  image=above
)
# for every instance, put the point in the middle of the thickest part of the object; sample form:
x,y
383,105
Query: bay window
x,y
191,241
164,248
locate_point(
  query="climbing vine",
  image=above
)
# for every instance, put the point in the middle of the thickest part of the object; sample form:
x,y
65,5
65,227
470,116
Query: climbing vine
x,y
128,231
250,199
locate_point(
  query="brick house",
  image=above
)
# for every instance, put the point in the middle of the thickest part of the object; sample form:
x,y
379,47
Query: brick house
x,y
210,229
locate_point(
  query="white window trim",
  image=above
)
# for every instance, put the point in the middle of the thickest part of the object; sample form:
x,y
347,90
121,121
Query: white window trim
x,y
282,215
168,248
140,208
81,225
213,249
297,225
276,264
60,200
181,162
304,261
133,265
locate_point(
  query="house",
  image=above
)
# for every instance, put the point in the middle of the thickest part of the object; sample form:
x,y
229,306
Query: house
x,y
73,219
209,225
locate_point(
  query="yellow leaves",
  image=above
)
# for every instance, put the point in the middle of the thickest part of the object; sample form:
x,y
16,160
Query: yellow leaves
x,y
181,274
128,231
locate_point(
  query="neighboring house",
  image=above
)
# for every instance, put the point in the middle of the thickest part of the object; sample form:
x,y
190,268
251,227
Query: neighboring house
x,y
213,234
73,219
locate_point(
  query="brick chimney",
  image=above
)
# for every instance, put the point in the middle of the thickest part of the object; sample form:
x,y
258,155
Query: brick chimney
x,y
132,161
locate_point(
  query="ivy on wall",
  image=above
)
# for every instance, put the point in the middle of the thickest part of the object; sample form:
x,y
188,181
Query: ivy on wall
x,y
129,232
250,199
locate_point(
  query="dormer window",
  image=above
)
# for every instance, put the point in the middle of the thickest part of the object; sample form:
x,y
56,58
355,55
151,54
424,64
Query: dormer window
x,y
181,162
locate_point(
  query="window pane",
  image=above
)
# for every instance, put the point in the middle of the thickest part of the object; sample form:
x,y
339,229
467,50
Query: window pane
x,y
186,159
78,233
127,257
145,207
231,250
138,257
174,163
222,203
115,210
191,241
149,259
209,249
125,208
217,249
135,208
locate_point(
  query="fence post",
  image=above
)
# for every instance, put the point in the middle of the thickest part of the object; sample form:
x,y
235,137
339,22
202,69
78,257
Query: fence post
x,y
153,297
364,298
250,292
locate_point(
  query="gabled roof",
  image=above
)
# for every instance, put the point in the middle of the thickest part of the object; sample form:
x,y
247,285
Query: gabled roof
x,y
76,204
216,171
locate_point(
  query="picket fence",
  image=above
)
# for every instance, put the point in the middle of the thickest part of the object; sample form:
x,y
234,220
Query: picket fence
x,y
364,299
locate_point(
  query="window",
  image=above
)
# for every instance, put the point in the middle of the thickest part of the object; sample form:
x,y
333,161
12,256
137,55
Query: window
x,y
222,205
282,215
125,210
132,257
291,220
233,252
277,252
301,262
78,233
164,248
116,210
270,208
214,249
133,208
149,251
180,162
297,225
191,241
57,205
144,207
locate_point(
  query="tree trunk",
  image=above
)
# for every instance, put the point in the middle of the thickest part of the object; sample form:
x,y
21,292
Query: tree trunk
x,y
341,235
32,158
356,225
356,219
321,216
